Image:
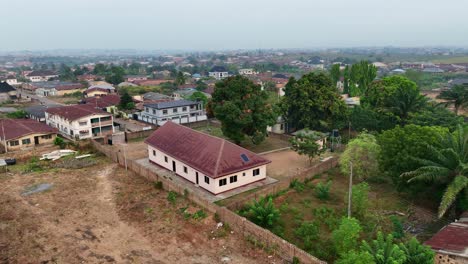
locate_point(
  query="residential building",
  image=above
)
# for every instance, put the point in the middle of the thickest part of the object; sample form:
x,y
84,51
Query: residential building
x,y
41,75
212,163
178,111
57,88
132,78
218,72
99,90
37,112
451,242
18,134
279,127
186,93
11,80
80,121
7,92
247,72
107,103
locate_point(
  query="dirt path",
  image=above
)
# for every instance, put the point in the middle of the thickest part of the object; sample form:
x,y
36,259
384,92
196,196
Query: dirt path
x,y
101,214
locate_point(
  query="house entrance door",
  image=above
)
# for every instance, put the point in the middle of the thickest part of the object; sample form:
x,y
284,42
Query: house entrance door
x,y
36,140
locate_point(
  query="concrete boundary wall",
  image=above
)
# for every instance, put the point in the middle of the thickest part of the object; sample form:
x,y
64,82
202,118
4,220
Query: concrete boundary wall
x,y
279,246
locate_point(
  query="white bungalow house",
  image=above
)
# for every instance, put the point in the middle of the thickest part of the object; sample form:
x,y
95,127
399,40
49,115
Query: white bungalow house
x,y
212,163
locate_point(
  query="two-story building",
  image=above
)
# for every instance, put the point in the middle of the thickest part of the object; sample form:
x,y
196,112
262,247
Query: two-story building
x,y
218,72
178,111
18,134
41,75
212,163
57,88
80,121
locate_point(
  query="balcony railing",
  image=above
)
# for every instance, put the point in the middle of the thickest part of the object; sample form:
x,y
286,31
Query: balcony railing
x,y
102,123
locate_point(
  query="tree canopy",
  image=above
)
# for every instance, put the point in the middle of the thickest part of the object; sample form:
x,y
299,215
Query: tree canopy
x,y
313,102
363,151
457,95
243,110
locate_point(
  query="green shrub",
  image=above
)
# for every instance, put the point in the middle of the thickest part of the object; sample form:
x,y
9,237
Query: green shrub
x,y
264,213
322,190
172,197
326,215
186,193
360,200
297,185
200,214
296,260
398,231
158,185
308,232
58,141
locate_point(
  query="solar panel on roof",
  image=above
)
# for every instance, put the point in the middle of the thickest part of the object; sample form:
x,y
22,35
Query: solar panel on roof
x,y
245,158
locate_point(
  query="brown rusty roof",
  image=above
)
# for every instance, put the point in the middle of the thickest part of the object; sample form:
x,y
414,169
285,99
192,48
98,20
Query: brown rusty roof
x,y
213,156
16,128
103,101
73,112
452,238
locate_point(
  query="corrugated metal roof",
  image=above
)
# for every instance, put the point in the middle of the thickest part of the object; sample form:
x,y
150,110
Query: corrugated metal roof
x,y
73,112
15,128
170,104
212,156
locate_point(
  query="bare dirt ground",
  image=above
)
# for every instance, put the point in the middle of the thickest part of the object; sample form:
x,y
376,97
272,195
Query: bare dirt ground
x,y
100,214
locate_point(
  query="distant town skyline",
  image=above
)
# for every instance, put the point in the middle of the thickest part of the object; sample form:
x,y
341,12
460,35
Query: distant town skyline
x,y
243,24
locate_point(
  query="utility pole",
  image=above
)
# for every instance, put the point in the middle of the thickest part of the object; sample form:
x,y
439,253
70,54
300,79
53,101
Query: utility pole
x,y
350,191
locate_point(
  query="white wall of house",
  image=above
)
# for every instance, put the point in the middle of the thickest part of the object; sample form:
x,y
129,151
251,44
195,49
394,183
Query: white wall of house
x,y
243,177
41,78
179,115
218,75
80,128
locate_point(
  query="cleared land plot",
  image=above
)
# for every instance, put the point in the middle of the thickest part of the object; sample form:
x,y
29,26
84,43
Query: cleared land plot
x,y
101,214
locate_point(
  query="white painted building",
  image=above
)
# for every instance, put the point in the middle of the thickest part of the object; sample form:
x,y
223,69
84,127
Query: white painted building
x,y
177,111
218,72
41,76
247,72
212,163
80,121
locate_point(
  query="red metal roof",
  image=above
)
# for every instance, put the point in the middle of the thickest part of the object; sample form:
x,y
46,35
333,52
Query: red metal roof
x,y
213,156
16,128
73,112
451,238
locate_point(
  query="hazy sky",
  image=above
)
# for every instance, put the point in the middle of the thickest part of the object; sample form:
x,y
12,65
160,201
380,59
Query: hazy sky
x,y
239,24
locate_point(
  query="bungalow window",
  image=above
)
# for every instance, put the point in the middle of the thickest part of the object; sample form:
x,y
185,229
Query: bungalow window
x,y
233,179
164,112
165,159
185,169
174,110
256,172
14,143
207,180
243,174
184,108
154,111
26,141
222,182
154,152
46,136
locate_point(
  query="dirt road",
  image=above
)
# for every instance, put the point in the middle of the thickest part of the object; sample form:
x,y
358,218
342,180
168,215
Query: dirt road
x,y
101,214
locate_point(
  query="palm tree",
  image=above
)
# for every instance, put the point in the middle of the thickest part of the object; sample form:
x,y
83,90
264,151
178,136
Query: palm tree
x,y
405,101
448,165
458,96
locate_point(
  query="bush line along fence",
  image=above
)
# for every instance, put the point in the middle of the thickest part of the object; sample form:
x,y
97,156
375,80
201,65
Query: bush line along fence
x,y
283,185
266,239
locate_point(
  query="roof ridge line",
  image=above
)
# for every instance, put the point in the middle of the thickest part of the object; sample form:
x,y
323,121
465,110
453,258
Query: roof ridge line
x,y
219,158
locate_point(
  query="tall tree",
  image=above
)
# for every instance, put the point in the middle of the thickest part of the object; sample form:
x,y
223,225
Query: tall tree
x,y
363,152
362,74
335,73
306,144
346,76
446,164
180,79
243,110
458,96
313,102
126,101
116,75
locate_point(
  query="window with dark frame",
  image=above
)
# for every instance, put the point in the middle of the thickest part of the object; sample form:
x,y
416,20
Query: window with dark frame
x,y
26,141
165,159
256,172
222,182
207,180
154,152
233,179
14,143
185,169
